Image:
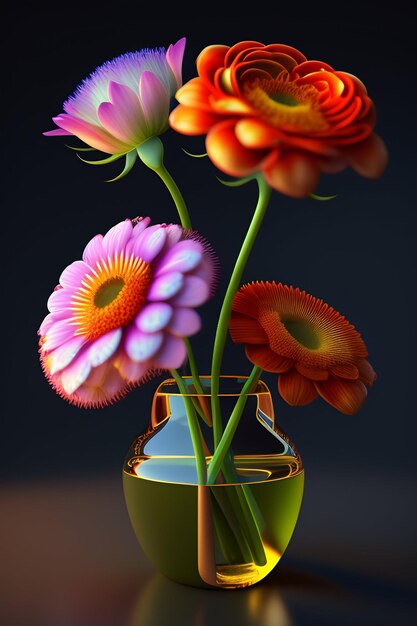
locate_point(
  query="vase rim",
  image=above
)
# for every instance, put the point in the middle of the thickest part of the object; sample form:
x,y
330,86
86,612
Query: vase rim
x,y
169,387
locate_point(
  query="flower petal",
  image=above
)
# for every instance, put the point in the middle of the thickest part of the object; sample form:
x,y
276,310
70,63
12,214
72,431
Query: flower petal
x,y
122,117
347,396
48,321
131,371
59,303
103,386
150,243
183,257
76,373
295,389
366,372
244,329
174,56
345,370
194,292
94,251
172,354
191,121
369,157
293,174
91,135
65,354
60,332
154,317
103,348
155,103
228,154
166,286
115,240
74,274
264,357
312,373
185,322
140,225
142,346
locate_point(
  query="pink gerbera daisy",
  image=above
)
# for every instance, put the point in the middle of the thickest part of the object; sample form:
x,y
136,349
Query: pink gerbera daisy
x,y
121,313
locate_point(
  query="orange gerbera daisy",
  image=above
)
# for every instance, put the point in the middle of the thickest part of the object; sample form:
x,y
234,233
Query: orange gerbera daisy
x,y
267,108
315,350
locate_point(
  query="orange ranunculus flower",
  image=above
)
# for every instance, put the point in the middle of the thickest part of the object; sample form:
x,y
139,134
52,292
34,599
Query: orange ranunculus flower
x,y
311,346
267,108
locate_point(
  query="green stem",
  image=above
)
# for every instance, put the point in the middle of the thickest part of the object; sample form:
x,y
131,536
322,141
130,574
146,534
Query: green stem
x,y
195,433
223,323
152,154
226,439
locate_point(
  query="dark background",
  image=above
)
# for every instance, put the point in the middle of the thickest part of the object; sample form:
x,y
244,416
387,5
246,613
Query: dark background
x,y
356,252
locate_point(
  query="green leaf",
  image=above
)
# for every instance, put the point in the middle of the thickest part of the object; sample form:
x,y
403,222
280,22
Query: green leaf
x,y
195,156
110,159
79,149
321,198
130,161
236,183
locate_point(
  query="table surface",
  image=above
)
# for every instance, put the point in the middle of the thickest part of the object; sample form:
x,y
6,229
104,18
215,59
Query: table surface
x,y
69,558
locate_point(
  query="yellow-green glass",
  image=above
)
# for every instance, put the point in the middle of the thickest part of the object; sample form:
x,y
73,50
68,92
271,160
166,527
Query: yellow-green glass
x,y
161,493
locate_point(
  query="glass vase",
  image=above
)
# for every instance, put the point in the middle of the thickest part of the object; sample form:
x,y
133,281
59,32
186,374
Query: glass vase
x,y
227,535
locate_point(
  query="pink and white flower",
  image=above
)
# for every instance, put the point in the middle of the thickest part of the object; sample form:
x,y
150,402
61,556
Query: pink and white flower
x,y
124,102
121,313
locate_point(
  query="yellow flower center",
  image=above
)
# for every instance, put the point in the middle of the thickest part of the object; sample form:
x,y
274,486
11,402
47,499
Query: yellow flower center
x,y
303,332
285,104
111,296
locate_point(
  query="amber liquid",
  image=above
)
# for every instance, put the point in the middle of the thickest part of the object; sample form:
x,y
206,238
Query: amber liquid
x,y
161,497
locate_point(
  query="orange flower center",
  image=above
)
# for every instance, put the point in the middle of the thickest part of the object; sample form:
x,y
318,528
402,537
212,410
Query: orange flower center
x,y
111,296
286,104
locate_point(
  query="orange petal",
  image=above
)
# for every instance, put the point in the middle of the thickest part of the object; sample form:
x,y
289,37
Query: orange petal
x,y
191,121
368,158
312,373
228,154
253,133
245,329
264,357
293,174
295,389
366,372
345,370
347,396
209,60
194,94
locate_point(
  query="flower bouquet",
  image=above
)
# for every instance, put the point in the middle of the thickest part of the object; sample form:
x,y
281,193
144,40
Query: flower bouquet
x,y
213,488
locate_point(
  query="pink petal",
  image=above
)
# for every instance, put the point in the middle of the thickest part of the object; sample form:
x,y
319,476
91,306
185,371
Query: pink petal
x,y
103,386
115,240
60,332
154,317
174,233
65,354
103,348
183,257
58,132
174,57
140,226
92,135
166,286
123,117
74,274
94,251
60,302
194,292
76,373
48,321
172,354
185,322
131,371
141,346
150,243
155,102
